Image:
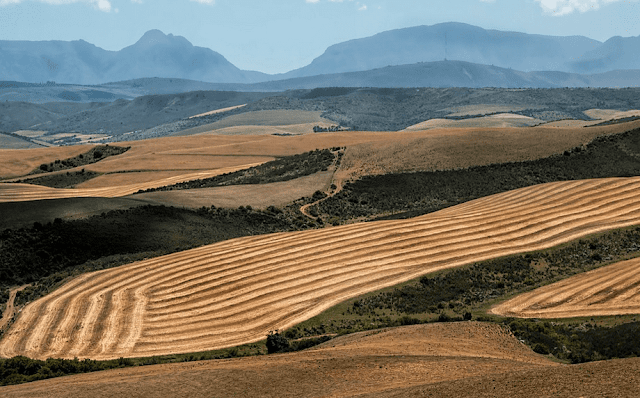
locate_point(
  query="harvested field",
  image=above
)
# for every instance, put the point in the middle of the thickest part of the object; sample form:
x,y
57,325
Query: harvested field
x,y
216,111
499,120
258,196
25,192
235,291
611,290
369,362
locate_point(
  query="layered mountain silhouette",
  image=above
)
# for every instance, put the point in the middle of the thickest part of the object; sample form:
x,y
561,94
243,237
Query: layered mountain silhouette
x,y
167,56
154,55
452,41
617,53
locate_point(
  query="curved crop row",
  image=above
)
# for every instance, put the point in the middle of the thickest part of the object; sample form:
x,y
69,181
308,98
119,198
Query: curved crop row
x,y
610,290
25,192
235,291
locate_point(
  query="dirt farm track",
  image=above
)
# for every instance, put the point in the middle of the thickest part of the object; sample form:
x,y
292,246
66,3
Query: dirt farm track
x,y
234,292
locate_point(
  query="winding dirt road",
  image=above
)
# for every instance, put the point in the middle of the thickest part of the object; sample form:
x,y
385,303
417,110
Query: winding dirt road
x,y
10,309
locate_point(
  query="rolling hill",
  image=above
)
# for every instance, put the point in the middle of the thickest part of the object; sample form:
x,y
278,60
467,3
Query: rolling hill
x,y
234,292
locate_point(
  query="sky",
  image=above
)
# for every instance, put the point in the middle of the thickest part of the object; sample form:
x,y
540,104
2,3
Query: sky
x,y
277,36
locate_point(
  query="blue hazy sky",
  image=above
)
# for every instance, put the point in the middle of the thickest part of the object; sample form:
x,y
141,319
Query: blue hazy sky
x,y
279,35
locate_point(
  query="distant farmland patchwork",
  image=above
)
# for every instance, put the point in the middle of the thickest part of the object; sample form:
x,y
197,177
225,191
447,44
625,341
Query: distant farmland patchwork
x,y
236,291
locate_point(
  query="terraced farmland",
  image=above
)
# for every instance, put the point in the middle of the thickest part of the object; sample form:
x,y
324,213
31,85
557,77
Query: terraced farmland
x,y
611,290
234,292
25,192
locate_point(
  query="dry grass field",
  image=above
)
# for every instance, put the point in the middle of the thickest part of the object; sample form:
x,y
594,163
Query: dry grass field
x,y
498,120
26,192
216,111
611,290
368,152
442,149
258,196
375,362
484,109
234,292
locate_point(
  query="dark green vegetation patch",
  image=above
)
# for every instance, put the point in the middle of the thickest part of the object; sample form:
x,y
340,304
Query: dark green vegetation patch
x,y
283,169
413,194
579,342
62,180
94,155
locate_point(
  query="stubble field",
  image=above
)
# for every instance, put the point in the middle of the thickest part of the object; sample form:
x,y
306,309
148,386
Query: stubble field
x,y
611,290
236,291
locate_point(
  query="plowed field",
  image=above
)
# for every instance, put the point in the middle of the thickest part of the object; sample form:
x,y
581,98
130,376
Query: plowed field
x,y
235,291
611,290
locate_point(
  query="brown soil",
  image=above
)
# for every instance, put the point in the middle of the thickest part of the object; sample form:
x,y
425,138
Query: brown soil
x,y
611,290
370,362
234,292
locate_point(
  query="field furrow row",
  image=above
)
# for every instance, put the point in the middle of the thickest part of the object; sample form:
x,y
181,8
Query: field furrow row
x,y
236,291
610,290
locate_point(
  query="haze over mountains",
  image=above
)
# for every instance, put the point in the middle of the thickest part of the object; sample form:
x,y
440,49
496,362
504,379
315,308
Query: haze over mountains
x,y
486,58
79,62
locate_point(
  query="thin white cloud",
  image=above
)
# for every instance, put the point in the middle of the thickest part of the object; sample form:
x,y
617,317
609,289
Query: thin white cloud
x,y
102,5
564,7
361,7
205,1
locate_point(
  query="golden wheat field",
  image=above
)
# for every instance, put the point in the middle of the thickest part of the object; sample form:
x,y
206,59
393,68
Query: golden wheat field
x,y
610,290
234,292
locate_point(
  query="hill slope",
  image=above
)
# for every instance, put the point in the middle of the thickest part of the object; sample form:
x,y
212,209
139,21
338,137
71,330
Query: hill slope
x,y
234,292
368,362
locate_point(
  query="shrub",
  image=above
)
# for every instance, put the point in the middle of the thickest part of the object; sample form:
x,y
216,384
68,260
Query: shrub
x,y
276,343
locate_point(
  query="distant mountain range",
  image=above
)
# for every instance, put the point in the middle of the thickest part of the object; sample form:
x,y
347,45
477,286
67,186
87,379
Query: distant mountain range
x,y
415,56
154,55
